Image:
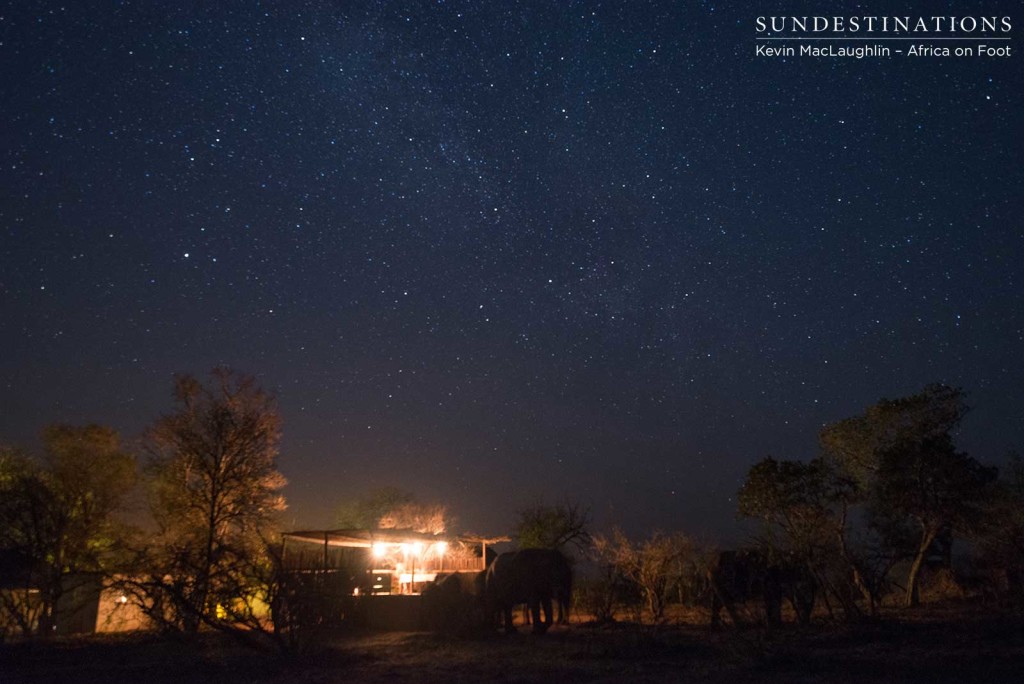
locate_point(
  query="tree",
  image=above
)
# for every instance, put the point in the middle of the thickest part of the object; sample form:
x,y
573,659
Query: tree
x,y
901,457
657,565
27,534
804,508
856,444
1000,537
393,508
802,505
58,518
214,495
552,527
931,485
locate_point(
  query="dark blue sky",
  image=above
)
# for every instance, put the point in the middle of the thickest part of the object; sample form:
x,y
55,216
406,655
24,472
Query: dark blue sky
x,y
496,252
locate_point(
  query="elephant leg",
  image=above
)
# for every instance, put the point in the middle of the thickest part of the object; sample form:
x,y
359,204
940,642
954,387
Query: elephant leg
x,y
805,610
773,608
538,626
716,609
772,594
719,601
774,613
510,628
803,603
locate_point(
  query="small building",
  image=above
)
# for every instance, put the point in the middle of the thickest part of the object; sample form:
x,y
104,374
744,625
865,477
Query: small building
x,y
376,575
88,604
384,561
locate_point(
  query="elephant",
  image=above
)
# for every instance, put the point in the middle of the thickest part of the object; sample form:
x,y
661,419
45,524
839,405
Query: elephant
x,y
532,576
453,604
743,575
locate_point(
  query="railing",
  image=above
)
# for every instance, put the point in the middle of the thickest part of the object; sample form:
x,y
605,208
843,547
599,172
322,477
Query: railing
x,y
448,564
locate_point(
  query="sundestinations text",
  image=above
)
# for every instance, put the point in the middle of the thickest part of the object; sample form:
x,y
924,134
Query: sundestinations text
x,y
884,24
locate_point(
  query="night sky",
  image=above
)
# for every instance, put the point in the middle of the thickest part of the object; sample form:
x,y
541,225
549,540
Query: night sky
x,y
499,252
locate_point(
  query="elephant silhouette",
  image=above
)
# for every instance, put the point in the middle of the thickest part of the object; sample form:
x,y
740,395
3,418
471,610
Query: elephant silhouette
x,y
739,576
453,604
536,577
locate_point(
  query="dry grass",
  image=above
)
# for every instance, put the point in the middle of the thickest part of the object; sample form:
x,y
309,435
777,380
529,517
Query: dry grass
x,y
948,642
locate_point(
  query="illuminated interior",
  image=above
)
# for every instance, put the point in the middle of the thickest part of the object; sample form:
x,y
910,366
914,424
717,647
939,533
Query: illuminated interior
x,y
384,561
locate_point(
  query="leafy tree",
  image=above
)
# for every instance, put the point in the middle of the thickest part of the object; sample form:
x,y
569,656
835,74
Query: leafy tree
x,y
59,518
901,456
552,527
27,533
803,505
1000,536
856,444
214,495
932,486
393,508
366,511
804,508
419,517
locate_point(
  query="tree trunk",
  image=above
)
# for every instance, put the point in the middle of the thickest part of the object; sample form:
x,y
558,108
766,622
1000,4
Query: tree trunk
x,y
913,597
856,575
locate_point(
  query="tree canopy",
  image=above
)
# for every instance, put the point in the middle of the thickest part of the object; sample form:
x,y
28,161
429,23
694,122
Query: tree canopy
x,y
552,527
59,516
393,508
215,489
902,456
857,443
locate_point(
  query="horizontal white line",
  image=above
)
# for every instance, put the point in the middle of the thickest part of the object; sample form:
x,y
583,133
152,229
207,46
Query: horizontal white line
x,y
873,39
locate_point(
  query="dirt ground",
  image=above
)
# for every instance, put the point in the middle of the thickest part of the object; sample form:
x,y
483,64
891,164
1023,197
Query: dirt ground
x,y
952,642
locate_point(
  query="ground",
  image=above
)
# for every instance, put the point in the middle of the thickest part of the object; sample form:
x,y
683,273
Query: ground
x,y
952,642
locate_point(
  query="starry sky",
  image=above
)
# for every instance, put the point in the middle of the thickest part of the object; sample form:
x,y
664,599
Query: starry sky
x,y
502,252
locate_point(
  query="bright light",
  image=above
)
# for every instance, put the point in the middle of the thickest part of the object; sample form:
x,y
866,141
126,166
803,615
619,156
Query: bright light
x,y
417,548
122,599
441,547
379,549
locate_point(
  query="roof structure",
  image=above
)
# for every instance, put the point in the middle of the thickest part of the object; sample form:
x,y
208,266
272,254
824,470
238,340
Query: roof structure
x,y
366,538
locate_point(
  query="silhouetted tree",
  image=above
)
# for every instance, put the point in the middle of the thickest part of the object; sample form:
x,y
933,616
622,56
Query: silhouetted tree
x,y
393,508
804,508
214,495
58,518
801,504
656,565
552,527
901,456
932,487
1000,536
857,444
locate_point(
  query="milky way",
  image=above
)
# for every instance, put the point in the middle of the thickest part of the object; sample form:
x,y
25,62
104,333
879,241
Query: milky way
x,y
501,252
